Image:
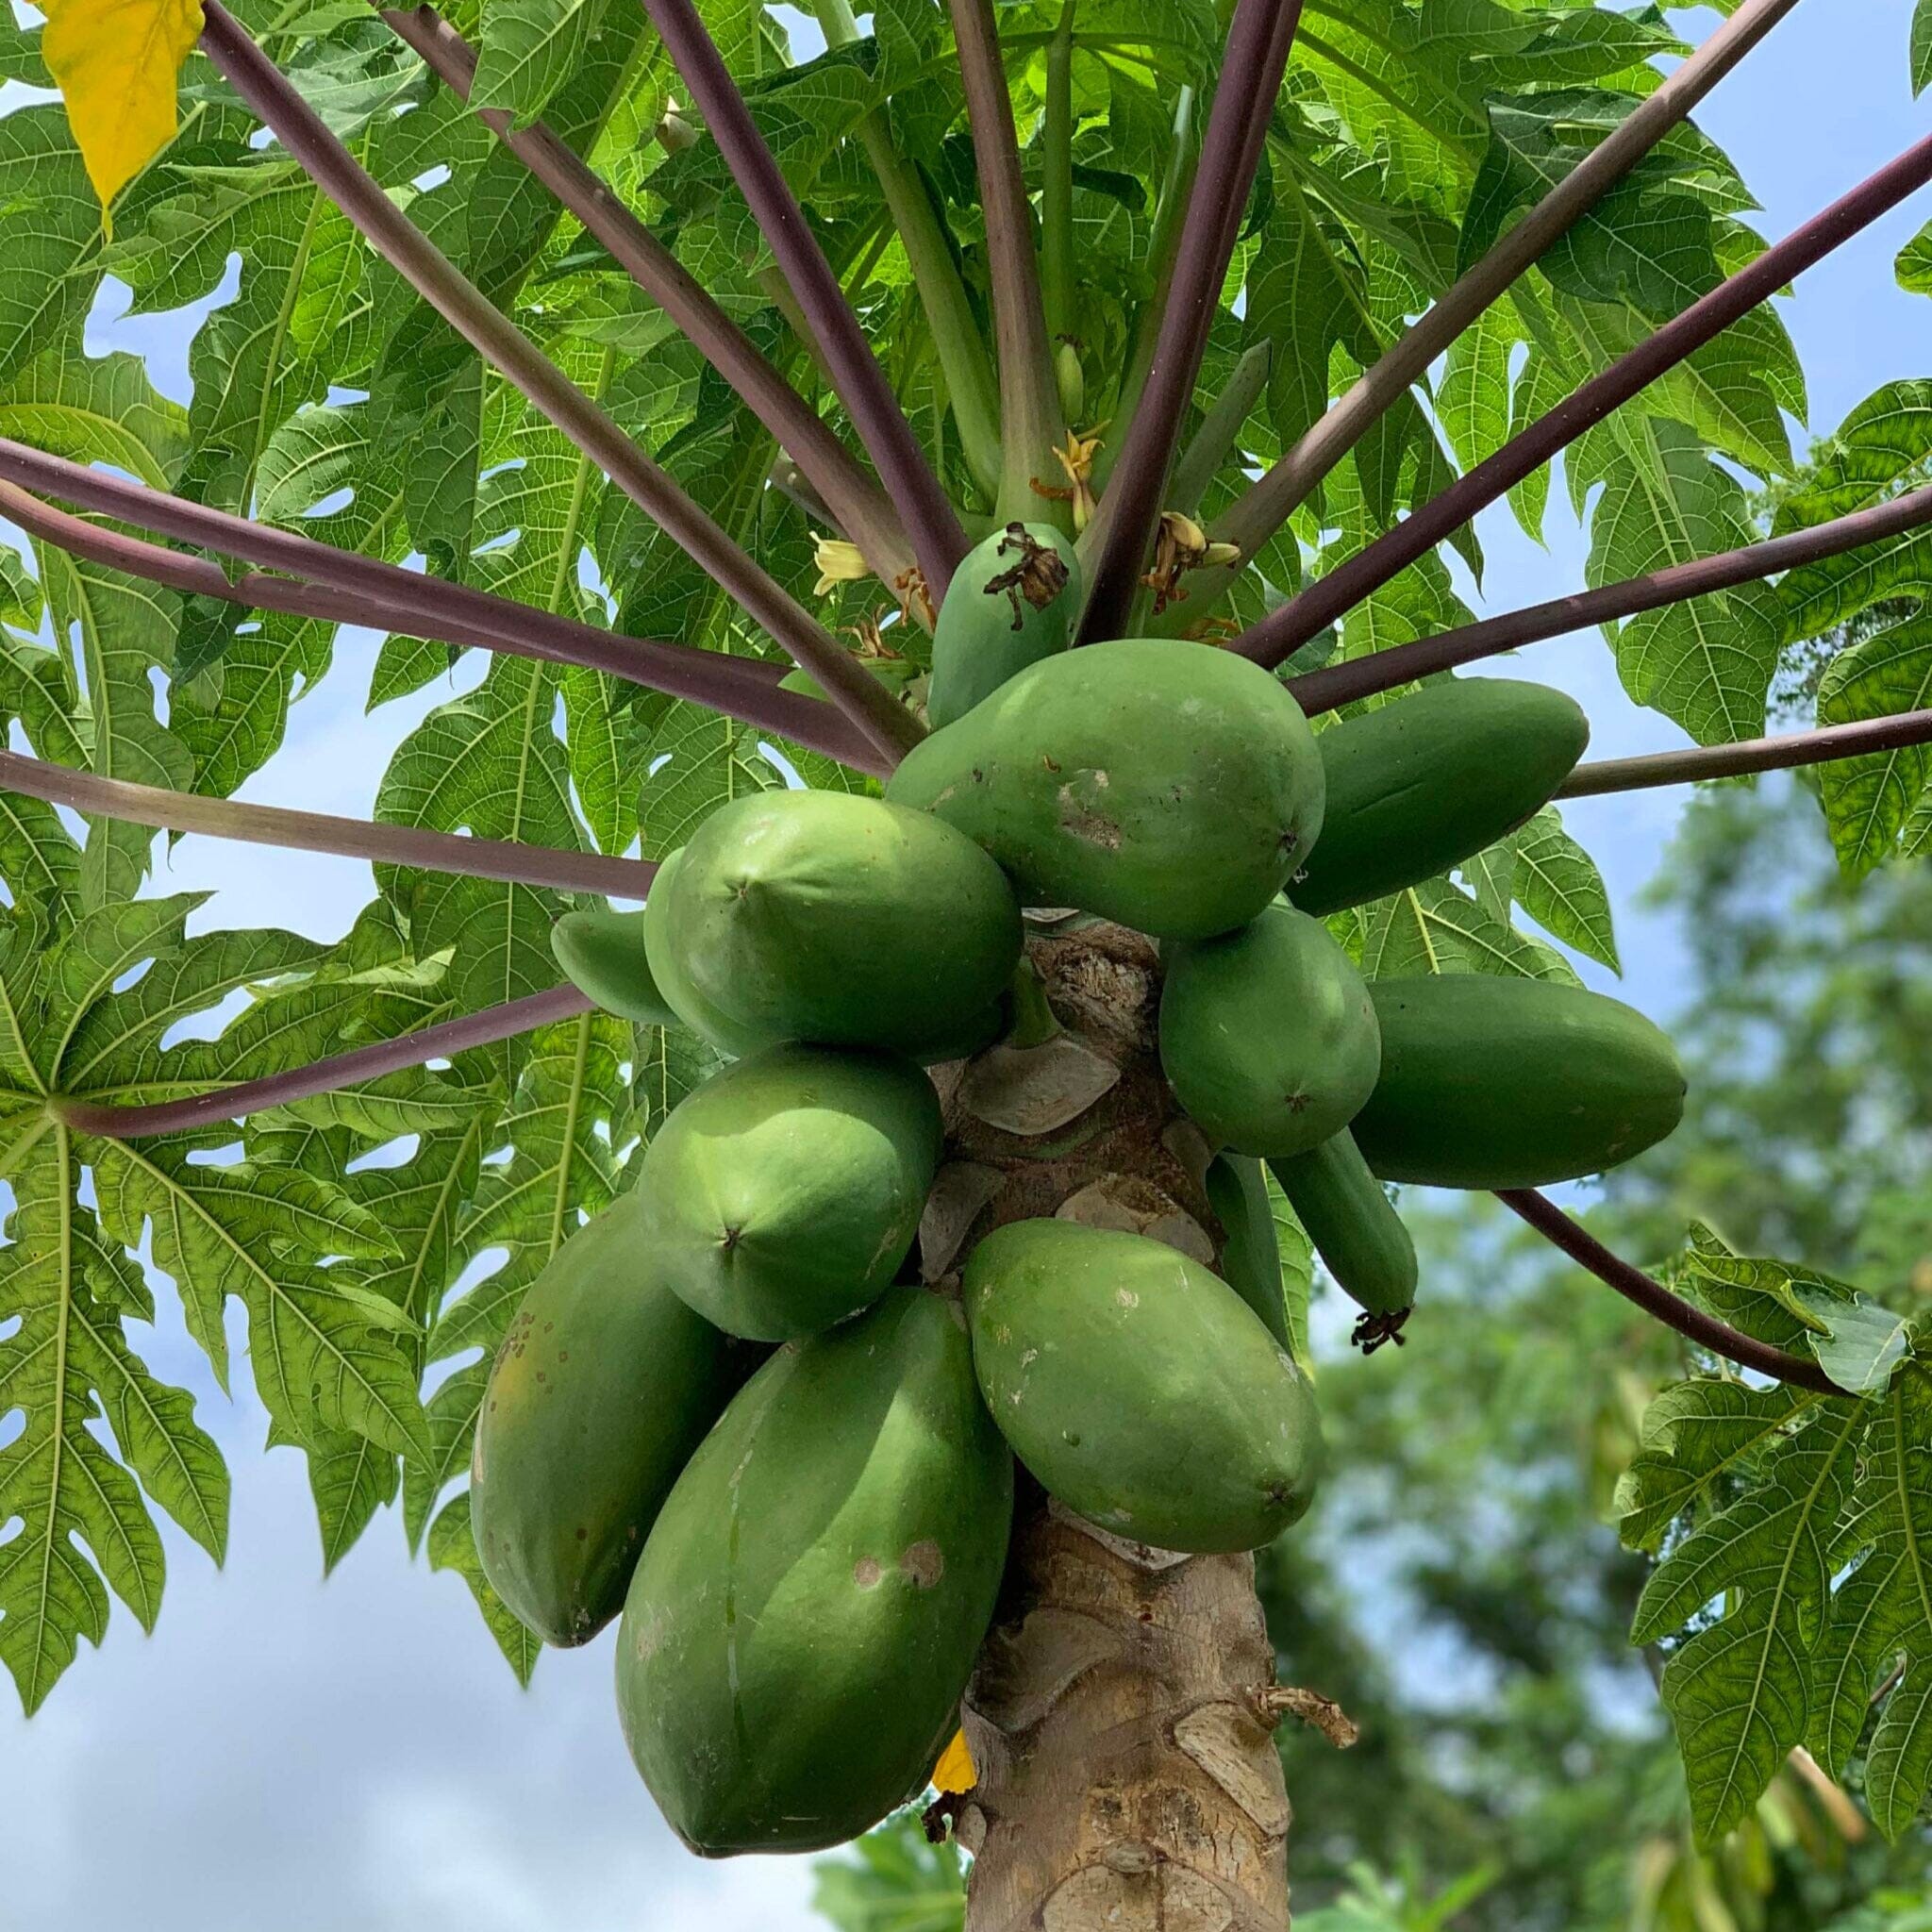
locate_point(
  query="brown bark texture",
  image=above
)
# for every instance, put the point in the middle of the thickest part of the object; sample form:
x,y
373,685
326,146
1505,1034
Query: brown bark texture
x,y
1120,1717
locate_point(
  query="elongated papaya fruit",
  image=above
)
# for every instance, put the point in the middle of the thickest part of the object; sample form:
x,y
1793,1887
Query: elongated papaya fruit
x,y
1512,1083
1010,603
1169,786
1141,1389
825,917
782,1196
1268,1036
1357,1232
604,1385
602,953
1432,779
807,1608
1250,1254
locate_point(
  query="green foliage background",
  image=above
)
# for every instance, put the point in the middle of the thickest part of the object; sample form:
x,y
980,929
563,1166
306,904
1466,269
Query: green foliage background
x,y
327,398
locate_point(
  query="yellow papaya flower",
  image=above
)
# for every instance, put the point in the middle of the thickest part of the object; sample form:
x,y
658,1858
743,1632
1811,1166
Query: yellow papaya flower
x,y
1181,545
1076,459
839,562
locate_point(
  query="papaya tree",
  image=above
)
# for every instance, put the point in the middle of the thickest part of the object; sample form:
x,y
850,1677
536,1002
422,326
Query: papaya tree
x,y
964,530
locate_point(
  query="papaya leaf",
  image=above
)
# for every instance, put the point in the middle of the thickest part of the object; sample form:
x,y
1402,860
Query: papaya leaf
x,y
1558,884
1437,928
1914,263
1705,664
1737,1688
1860,1341
452,1545
91,1004
1878,1644
1699,1440
892,1880
1777,1301
1867,800
116,62
52,236
1884,445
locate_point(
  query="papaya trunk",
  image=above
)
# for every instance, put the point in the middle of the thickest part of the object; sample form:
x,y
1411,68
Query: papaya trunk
x,y
1120,1716
1128,1779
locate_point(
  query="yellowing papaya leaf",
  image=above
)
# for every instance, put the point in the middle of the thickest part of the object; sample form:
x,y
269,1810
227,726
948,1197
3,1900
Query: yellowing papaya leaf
x,y
955,1771
116,63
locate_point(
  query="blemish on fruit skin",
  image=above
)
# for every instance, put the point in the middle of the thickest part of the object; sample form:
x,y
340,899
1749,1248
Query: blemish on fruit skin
x,y
923,1562
867,1572
1127,1297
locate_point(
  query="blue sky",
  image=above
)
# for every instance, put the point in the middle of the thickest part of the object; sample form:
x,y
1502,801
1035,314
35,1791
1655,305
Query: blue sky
x,y
308,1757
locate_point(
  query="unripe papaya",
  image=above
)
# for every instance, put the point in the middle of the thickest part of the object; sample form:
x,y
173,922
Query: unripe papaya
x,y
1432,779
829,918
1512,1083
1010,603
782,1196
602,953
1250,1254
603,1386
1268,1036
1356,1230
1169,786
675,987
807,1611
1141,1389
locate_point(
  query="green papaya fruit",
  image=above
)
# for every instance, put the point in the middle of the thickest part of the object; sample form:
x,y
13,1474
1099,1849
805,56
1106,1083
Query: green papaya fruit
x,y
602,953
675,987
1169,786
1356,1231
1139,1388
782,1196
1010,603
1250,1253
1268,1036
1432,779
603,1386
1512,1083
830,918
807,1608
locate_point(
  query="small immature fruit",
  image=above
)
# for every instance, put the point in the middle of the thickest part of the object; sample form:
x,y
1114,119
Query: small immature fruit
x,y
604,1385
1250,1254
825,917
1071,379
1139,1388
782,1196
1356,1230
1268,1036
602,953
1432,779
1011,601
1512,1083
1169,786
808,1610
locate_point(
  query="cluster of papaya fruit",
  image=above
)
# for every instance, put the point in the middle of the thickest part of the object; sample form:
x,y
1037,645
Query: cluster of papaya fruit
x,y
729,1411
